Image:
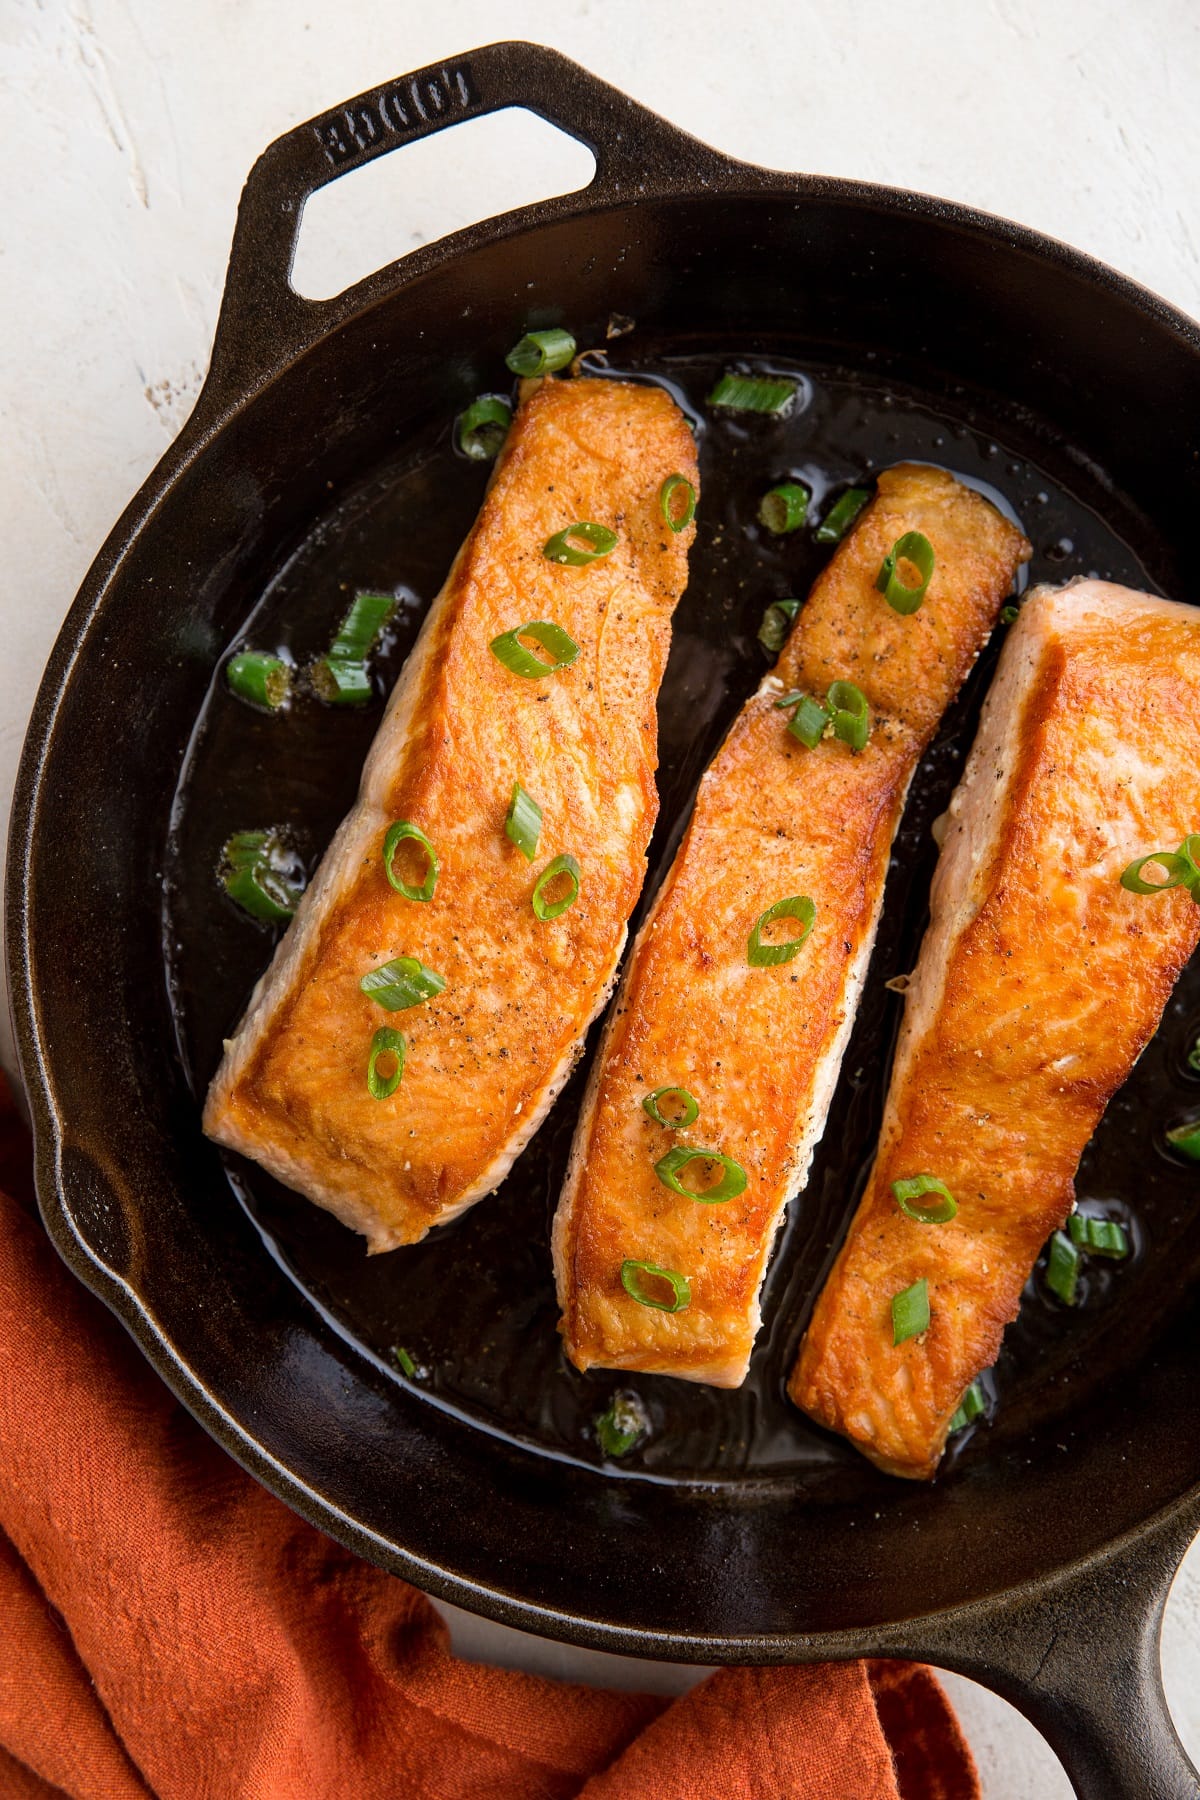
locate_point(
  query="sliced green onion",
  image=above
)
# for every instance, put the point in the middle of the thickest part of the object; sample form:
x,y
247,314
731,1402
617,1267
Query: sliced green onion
x,y
541,352
634,1276
841,516
910,1311
914,547
386,1042
404,1360
342,678
261,876
523,825
770,956
1186,1139
483,427
669,1171
809,721
789,699
565,546
783,509
777,621
508,649
259,679
1175,867
754,393
622,1426
567,866
1193,1058
972,1406
688,1107
401,983
1009,614
851,714
395,836
677,484
910,1189
360,628
341,683
1062,1269
1181,867
1103,1237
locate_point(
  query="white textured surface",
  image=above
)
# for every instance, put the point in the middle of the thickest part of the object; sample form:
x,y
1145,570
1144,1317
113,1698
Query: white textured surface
x,y
127,127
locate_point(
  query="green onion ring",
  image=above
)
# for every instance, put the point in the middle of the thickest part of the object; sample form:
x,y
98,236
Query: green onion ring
x,y
689,1115
777,621
523,823
541,352
402,983
783,509
259,679
1185,1139
252,875
622,1426
673,485
911,1187
910,1312
809,721
732,1182
341,683
754,393
554,909
508,649
562,548
631,1280
480,431
841,516
393,838
386,1042
850,713
913,547
771,956
358,631
1175,866
1102,1237
972,1406
1062,1268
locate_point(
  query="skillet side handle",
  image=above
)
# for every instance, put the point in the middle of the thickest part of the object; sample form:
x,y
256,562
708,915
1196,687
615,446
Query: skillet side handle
x,y
1081,1661
263,322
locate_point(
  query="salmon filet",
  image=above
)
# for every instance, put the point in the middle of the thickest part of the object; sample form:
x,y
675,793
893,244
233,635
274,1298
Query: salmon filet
x,y
758,1048
1039,984
485,1056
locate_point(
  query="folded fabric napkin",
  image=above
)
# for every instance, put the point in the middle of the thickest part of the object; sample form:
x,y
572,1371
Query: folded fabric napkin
x,y
171,1629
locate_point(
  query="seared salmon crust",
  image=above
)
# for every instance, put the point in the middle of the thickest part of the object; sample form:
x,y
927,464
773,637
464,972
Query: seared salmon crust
x,y
759,1047
485,1056
1040,982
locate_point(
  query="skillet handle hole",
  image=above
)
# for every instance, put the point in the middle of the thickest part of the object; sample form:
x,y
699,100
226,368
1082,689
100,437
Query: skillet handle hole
x,y
375,214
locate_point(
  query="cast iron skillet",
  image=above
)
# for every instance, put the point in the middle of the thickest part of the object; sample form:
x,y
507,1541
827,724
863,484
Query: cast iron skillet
x,y
1040,1561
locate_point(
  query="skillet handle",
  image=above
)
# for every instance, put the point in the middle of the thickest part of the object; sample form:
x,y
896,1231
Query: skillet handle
x,y
1081,1661
263,322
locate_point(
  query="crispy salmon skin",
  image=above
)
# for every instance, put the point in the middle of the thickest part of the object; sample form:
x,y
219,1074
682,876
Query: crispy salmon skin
x,y
758,1048
1040,981
486,1055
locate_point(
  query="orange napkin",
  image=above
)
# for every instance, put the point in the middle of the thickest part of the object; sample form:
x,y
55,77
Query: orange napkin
x,y
170,1629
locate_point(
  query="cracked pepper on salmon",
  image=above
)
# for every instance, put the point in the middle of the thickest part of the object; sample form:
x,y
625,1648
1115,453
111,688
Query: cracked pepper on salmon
x,y
484,1055
1041,979
650,1278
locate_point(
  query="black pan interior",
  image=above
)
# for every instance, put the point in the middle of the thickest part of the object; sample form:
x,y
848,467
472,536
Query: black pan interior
x,y
916,338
